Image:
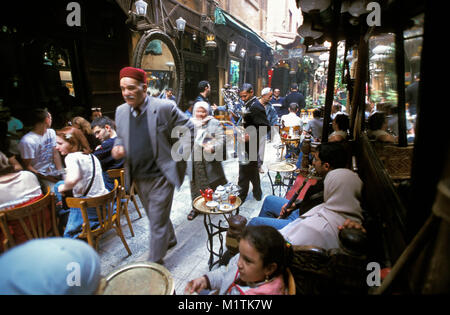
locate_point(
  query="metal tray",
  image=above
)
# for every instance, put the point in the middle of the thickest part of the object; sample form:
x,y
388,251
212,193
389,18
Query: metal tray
x,y
142,278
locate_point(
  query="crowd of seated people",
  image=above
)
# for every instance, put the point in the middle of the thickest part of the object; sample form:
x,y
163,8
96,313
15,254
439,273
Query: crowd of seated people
x,y
59,160
327,206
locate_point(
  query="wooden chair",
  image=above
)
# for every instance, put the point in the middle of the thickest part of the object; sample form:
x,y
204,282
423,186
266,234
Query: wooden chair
x,y
37,220
286,142
104,206
120,174
291,283
396,160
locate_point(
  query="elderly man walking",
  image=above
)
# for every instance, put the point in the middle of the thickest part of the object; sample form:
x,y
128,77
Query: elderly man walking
x,y
144,126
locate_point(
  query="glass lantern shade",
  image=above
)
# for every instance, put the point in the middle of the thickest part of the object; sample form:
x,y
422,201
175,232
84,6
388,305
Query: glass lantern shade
x,y
232,47
305,30
314,5
141,7
181,24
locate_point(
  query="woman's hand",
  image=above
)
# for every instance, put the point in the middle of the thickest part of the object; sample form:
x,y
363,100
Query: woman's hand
x,y
196,285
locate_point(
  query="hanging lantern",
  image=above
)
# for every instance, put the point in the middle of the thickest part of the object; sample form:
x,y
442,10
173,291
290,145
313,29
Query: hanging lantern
x,y
141,7
210,41
305,30
232,47
357,8
314,5
242,53
181,24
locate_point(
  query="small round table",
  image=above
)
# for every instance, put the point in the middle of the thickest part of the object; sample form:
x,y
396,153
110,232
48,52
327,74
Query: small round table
x,y
141,278
212,229
281,167
287,142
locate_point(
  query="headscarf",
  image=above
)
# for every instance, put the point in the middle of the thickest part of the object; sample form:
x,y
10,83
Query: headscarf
x,y
342,191
194,119
50,266
201,104
319,226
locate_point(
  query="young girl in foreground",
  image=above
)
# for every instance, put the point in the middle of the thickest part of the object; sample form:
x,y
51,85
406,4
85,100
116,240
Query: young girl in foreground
x,y
260,268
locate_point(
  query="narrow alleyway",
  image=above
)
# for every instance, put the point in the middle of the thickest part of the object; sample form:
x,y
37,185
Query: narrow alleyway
x,y
189,258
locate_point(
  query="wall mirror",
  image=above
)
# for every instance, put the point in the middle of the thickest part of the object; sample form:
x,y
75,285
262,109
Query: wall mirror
x,y
157,54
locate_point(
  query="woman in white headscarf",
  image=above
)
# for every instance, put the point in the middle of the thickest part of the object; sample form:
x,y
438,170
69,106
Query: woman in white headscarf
x,y
319,226
205,167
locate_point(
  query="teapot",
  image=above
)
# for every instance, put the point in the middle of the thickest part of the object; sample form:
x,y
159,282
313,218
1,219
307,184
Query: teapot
x,y
220,190
207,194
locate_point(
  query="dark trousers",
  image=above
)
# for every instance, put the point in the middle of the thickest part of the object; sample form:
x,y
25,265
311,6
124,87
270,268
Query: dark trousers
x,y
249,173
156,195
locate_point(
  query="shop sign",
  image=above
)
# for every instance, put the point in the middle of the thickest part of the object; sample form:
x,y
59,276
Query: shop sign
x,y
295,53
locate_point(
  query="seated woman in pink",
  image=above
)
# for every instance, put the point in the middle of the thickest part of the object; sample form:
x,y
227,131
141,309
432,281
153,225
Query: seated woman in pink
x,y
259,269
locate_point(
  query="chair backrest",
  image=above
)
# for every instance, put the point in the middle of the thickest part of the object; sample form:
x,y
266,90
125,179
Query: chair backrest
x,y
397,160
118,173
36,220
104,207
295,129
291,283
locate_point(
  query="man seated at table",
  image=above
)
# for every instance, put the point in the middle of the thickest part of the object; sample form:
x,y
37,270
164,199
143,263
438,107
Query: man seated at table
x,y
328,156
291,119
104,130
315,126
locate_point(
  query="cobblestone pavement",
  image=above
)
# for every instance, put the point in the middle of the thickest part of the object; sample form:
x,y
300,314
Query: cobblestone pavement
x,y
189,258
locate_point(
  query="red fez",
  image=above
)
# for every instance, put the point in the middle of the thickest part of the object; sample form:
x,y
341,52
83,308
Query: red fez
x,y
134,73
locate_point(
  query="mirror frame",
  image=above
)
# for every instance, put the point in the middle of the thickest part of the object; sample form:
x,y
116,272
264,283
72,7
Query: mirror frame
x,y
156,34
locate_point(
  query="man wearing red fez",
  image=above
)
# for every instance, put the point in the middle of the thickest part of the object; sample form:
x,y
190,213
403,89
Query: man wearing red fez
x,y
144,125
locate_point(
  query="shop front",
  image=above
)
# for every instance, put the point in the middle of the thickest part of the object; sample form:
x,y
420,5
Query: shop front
x,y
65,59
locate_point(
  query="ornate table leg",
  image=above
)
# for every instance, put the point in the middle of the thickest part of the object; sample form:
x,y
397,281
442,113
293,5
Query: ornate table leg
x,y
212,230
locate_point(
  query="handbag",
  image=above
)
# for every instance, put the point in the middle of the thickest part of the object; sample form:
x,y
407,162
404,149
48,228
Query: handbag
x,y
69,193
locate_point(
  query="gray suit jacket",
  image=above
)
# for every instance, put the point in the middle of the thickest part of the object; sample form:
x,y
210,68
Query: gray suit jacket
x,y
163,116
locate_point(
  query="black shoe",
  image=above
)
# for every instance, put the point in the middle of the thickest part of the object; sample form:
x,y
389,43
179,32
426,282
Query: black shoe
x,y
172,244
192,215
257,197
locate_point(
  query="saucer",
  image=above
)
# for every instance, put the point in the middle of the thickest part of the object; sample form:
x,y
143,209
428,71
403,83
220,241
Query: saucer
x,y
225,207
212,204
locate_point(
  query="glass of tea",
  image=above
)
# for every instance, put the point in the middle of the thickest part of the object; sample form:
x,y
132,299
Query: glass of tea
x,y
232,199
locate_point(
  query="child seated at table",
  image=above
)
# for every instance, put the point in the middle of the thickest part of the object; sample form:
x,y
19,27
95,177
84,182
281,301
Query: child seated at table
x,y
259,269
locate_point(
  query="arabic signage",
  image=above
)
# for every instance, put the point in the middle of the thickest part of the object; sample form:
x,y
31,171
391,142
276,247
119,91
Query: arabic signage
x,y
287,54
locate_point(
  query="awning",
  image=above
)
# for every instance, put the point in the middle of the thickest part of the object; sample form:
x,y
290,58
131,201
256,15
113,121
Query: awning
x,y
223,18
